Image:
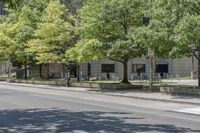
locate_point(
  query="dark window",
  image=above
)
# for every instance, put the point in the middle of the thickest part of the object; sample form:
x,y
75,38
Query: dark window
x,y
138,68
162,68
107,68
73,72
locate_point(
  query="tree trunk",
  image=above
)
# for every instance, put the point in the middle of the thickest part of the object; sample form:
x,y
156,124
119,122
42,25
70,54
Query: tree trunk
x,y
25,69
125,74
66,75
198,69
78,73
40,71
9,70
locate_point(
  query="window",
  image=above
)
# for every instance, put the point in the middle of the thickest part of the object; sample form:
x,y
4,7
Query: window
x,y
138,68
107,68
162,68
73,71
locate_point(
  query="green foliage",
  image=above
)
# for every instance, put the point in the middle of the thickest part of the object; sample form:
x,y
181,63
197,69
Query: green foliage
x,y
12,3
181,21
84,51
19,27
6,46
53,34
187,36
111,22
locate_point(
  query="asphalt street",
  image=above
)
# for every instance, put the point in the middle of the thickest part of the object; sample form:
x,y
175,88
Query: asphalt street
x,y
36,110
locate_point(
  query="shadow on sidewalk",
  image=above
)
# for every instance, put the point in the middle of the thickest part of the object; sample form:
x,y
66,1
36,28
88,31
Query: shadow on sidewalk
x,y
57,121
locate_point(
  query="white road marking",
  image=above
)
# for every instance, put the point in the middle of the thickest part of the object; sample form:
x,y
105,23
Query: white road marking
x,y
195,111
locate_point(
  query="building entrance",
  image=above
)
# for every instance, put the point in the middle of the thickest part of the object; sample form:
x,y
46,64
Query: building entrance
x,y
73,71
162,69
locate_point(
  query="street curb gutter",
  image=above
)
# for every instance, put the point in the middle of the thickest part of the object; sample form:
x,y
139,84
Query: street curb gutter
x,y
101,93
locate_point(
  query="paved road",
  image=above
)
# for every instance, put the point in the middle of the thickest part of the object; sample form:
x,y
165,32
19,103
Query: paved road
x,y
34,110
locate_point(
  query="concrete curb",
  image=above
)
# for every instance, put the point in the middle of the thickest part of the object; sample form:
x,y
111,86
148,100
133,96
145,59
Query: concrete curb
x,y
101,93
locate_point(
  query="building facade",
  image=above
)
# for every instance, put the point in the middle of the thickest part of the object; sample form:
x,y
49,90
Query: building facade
x,y
139,68
112,70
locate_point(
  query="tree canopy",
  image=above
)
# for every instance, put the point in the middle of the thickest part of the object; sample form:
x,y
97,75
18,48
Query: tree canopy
x,y
111,23
59,31
12,3
53,34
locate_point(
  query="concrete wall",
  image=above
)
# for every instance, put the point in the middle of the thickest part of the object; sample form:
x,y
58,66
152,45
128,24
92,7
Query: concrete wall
x,y
183,66
56,71
176,67
4,67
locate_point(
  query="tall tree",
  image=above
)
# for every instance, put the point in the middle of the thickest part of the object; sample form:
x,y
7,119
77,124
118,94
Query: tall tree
x,y
20,26
187,31
180,24
110,23
53,34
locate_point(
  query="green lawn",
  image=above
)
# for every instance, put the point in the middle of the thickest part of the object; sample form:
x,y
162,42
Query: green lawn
x,y
138,82
101,81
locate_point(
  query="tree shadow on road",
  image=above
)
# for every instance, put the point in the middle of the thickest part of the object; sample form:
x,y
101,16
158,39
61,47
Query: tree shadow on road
x,y
58,120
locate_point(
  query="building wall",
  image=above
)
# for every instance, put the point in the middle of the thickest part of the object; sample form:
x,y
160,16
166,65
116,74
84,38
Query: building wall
x,y
183,66
56,71
176,67
4,67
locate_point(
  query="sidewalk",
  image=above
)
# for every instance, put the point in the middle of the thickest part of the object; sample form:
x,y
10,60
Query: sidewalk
x,y
195,100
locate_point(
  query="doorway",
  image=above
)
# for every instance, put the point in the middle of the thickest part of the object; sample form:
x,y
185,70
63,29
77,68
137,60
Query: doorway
x,y
162,69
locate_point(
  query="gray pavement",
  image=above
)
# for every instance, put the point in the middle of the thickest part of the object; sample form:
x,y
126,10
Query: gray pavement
x,y
35,109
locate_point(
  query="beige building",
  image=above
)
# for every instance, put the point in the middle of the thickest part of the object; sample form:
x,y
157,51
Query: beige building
x,y
139,68
112,70
5,67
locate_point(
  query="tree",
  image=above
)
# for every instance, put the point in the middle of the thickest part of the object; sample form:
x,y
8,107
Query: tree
x,y
20,26
53,34
181,19
111,23
187,32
